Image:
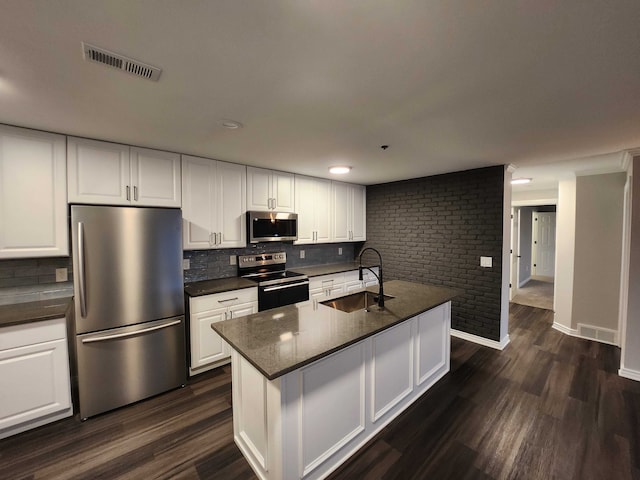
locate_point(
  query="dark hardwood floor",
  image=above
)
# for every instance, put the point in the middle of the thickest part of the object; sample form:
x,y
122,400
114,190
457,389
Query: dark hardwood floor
x,y
549,406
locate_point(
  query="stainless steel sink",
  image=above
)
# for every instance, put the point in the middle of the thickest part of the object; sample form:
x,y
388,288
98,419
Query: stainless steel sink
x,y
355,301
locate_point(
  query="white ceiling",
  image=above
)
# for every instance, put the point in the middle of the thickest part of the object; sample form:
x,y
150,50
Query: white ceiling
x,y
448,84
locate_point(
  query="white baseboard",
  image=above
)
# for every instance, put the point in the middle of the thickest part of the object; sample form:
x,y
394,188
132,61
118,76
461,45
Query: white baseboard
x,y
481,340
590,332
628,373
564,329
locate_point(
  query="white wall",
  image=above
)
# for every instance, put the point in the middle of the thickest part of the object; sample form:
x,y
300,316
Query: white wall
x,y
630,361
565,253
598,250
534,197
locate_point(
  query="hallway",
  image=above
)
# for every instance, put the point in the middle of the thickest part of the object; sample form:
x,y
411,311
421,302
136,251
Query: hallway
x,y
535,293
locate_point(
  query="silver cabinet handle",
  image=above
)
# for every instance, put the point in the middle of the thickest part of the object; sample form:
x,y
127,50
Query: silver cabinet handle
x,y
289,285
130,334
219,238
228,300
135,193
81,275
211,240
128,193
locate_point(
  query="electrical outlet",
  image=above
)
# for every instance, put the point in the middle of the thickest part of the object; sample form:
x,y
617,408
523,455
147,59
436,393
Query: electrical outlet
x,y
62,275
301,253
340,251
186,264
486,262
232,259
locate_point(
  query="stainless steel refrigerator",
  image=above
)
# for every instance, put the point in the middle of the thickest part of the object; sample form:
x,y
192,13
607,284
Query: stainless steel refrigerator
x,y
129,304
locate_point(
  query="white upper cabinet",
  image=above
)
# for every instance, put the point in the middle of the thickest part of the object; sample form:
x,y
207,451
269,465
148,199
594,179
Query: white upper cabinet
x,y
313,197
155,177
349,212
114,174
270,190
33,184
213,204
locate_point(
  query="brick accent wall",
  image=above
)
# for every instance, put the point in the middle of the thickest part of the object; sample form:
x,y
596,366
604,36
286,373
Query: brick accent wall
x,y
434,230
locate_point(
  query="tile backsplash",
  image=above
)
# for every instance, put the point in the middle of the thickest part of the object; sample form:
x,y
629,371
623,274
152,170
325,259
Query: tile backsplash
x,y
208,264
32,277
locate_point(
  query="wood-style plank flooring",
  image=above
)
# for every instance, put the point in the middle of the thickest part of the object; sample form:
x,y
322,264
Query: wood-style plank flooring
x,y
548,406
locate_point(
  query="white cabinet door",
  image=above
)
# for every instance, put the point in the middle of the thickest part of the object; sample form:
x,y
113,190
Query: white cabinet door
x,y
33,206
259,189
283,191
206,345
313,206
340,228
197,202
113,174
231,197
34,368
349,212
270,190
213,209
243,310
358,212
155,178
98,172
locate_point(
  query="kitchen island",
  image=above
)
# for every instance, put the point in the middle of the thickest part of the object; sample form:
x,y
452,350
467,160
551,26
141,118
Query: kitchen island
x,y
311,384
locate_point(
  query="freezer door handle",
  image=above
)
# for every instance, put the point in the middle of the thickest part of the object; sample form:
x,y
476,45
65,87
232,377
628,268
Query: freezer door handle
x,y
81,275
103,338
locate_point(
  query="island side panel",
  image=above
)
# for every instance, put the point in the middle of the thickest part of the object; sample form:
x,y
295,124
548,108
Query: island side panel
x,y
318,416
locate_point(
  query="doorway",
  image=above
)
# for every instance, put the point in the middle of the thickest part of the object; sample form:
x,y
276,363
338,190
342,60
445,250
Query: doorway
x,y
534,227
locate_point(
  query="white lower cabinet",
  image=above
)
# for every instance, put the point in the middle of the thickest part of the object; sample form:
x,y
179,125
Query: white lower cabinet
x,y
208,350
325,286
34,375
290,427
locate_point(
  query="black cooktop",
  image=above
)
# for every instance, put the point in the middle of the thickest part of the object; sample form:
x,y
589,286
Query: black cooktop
x,y
272,278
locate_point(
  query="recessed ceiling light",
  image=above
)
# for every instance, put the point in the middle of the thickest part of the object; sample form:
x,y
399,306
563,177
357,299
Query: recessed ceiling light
x,y
520,181
339,169
230,124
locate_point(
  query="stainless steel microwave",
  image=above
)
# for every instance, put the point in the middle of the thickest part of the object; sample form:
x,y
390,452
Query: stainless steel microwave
x,y
272,227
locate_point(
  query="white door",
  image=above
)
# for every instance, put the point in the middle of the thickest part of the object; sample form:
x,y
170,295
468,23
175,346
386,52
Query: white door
x,y
230,222
197,202
98,172
155,178
515,251
544,229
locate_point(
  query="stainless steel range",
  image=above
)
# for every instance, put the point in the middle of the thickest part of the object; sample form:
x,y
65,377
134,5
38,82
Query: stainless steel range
x,y
276,286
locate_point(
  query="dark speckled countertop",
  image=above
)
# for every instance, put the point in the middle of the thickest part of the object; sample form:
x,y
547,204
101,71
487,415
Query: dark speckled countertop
x,y
284,339
20,313
220,285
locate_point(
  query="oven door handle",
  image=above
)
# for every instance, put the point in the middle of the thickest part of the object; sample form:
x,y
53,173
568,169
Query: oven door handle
x,y
288,285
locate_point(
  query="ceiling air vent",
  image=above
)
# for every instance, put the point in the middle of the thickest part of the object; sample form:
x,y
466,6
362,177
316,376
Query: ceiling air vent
x,y
105,57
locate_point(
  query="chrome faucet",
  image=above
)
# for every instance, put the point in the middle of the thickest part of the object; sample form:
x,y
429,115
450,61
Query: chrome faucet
x,y
379,277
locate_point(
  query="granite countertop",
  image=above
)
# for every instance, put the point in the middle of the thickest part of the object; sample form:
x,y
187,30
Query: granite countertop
x,y
220,285
328,269
284,339
20,313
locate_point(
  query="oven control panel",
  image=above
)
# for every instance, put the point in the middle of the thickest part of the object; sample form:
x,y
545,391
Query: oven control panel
x,y
248,261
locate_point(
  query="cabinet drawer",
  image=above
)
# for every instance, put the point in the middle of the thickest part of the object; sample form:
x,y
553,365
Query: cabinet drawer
x,y
33,333
326,281
222,300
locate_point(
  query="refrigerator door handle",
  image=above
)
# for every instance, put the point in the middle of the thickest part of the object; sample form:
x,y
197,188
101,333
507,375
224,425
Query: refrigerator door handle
x,y
103,338
81,275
